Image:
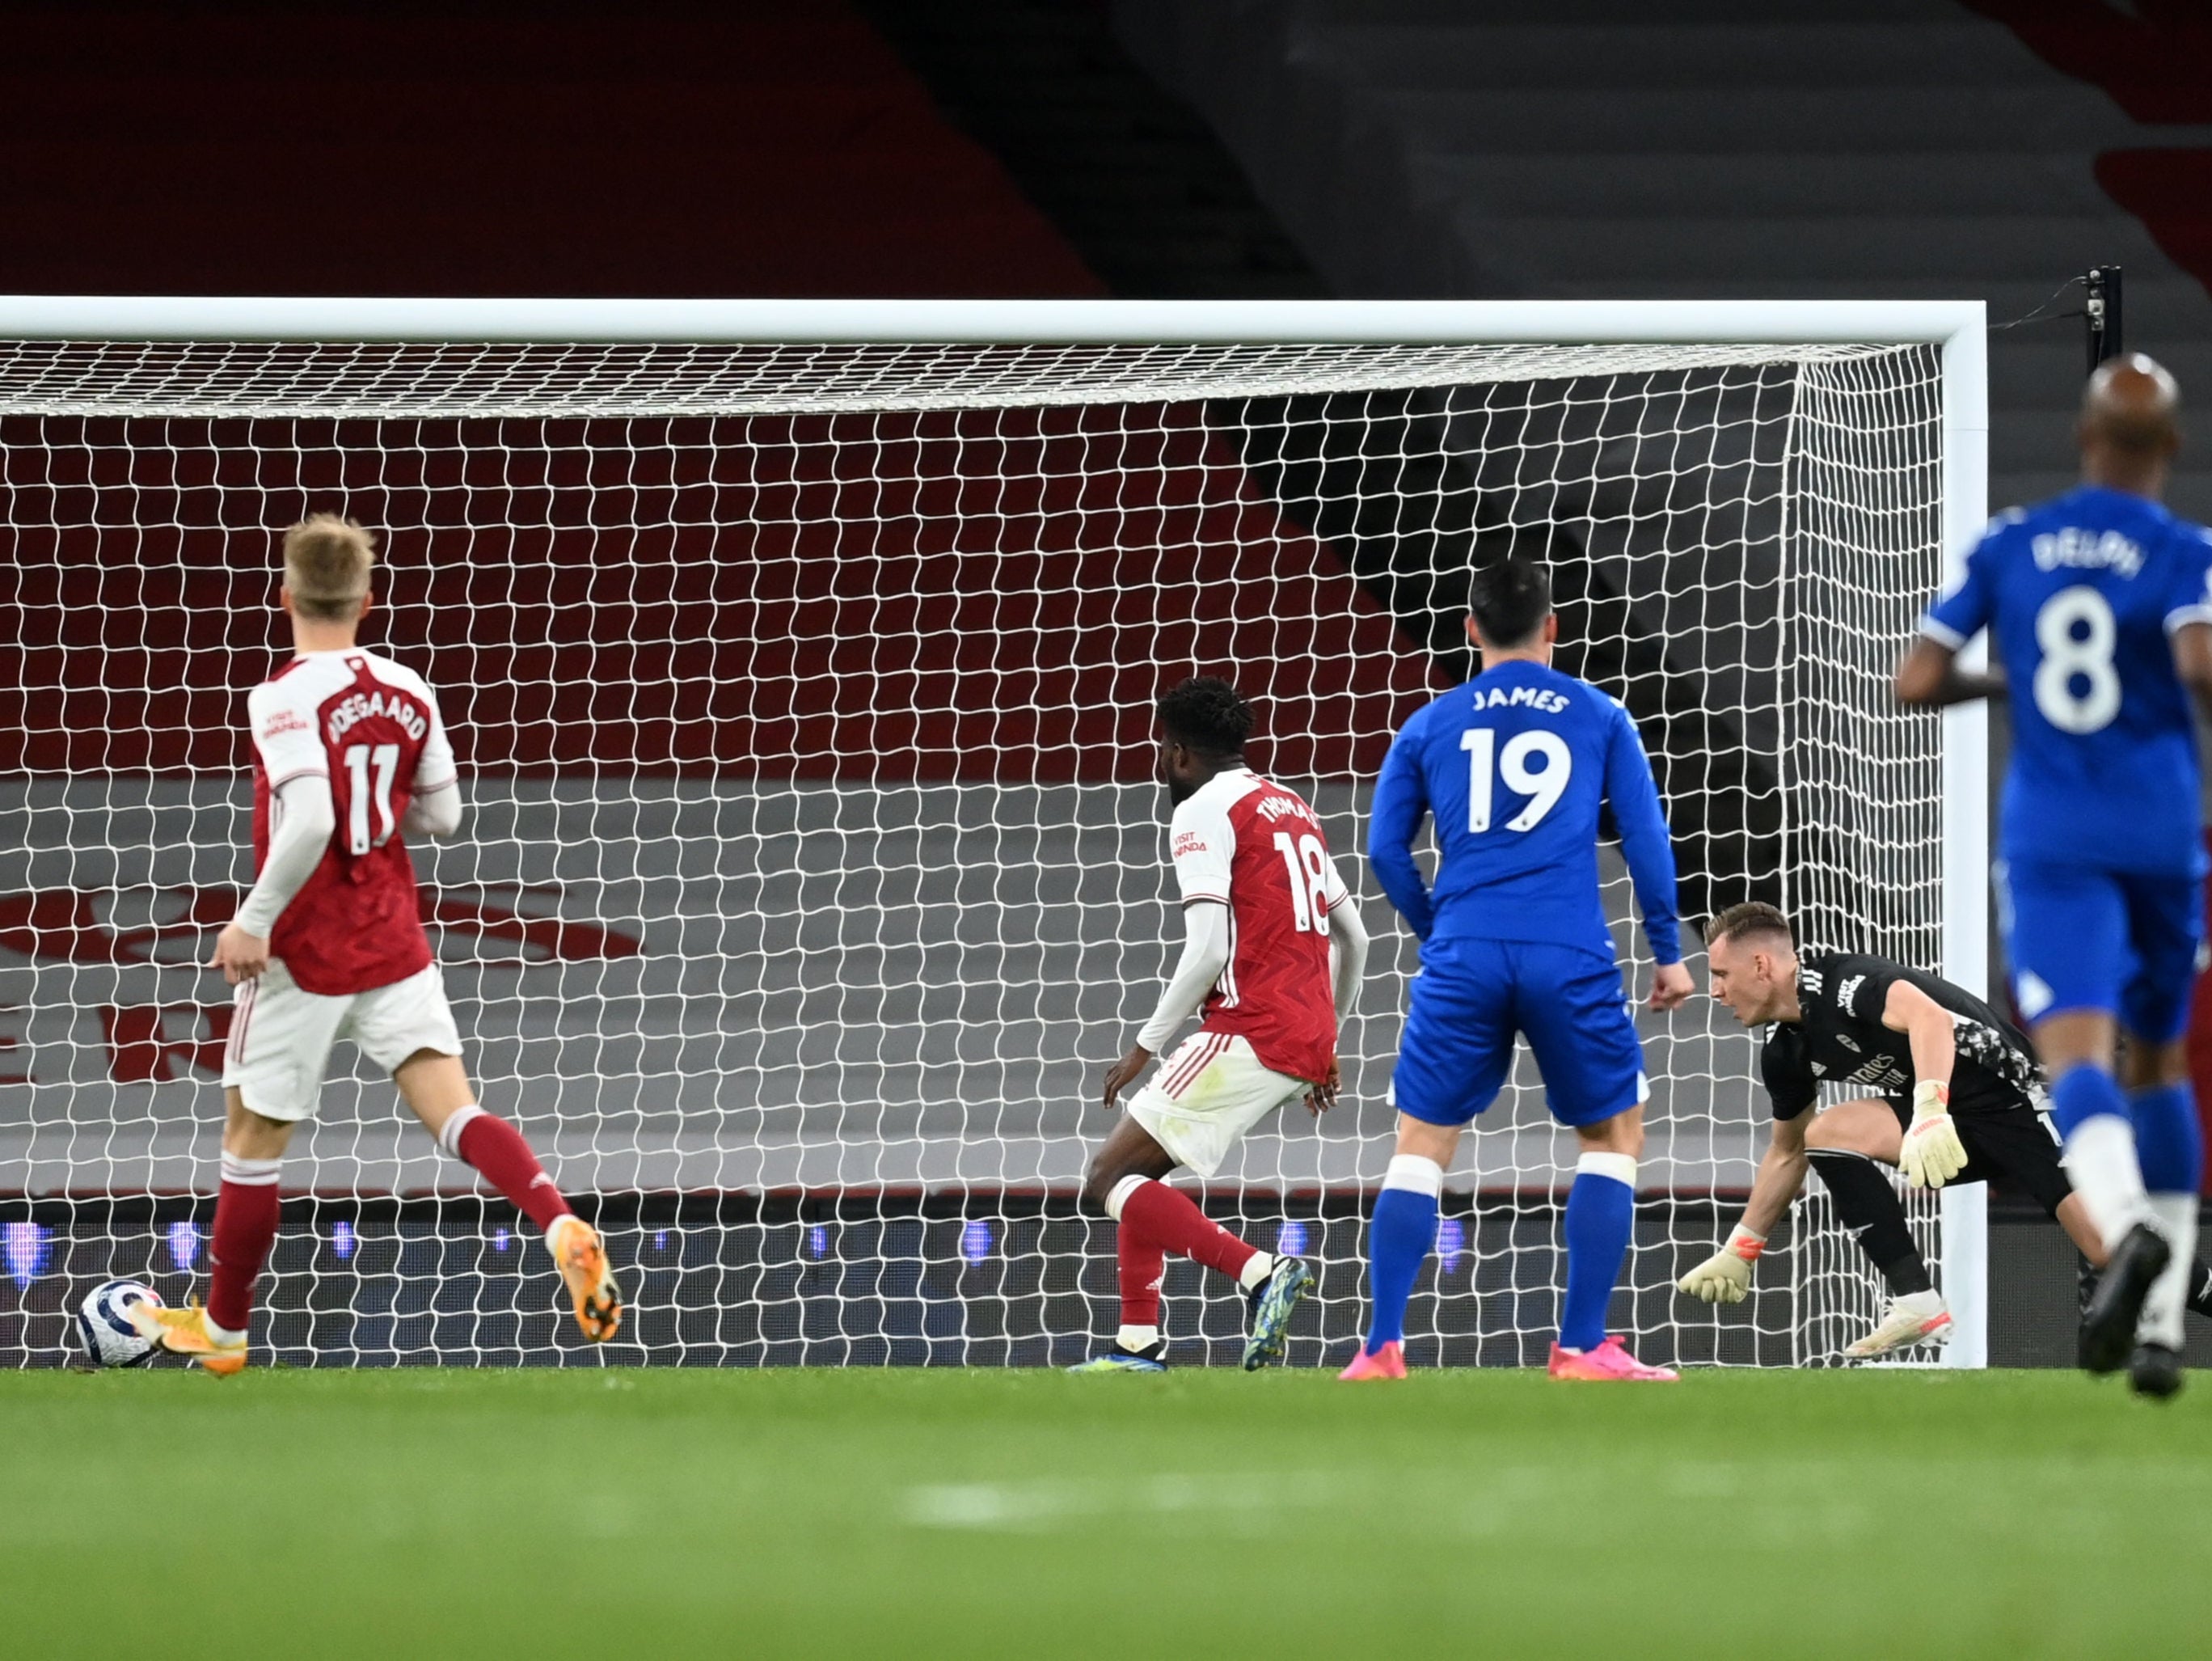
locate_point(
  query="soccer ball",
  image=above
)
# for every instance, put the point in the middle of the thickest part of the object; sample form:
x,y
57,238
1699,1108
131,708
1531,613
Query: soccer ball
x,y
103,1324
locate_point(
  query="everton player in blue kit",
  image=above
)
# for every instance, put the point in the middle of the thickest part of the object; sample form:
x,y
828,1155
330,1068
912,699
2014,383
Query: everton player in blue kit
x,y
2099,606
1513,768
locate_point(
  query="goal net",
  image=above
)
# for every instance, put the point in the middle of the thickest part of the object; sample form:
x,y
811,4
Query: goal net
x,y
814,866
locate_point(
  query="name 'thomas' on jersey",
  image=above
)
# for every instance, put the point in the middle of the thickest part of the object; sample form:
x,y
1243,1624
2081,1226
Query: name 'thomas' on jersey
x,y
371,728
1258,848
2081,597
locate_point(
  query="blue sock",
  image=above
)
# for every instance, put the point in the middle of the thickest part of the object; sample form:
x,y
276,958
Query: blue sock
x,y
2082,1092
1600,1212
2169,1142
1399,1236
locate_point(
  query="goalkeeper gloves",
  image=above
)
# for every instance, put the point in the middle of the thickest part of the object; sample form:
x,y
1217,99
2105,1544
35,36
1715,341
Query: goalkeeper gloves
x,y
1932,1154
1725,1277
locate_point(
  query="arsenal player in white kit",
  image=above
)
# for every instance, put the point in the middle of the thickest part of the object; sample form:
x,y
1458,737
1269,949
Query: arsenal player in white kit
x,y
350,756
1273,952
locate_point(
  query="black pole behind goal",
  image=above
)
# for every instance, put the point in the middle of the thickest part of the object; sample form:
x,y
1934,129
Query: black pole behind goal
x,y
2101,310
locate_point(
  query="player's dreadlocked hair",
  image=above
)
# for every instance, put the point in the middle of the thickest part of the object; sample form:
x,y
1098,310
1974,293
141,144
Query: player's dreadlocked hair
x,y
1753,917
1510,597
1207,715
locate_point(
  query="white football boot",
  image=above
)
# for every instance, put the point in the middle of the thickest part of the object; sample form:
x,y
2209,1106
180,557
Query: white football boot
x,y
1918,1317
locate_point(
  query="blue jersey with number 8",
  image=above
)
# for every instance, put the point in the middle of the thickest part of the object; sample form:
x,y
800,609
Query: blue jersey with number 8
x,y
2081,597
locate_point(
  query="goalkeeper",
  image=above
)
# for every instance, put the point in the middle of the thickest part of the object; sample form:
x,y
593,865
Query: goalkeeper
x,y
1953,1094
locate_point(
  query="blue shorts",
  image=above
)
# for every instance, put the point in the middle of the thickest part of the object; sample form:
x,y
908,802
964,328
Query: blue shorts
x,y
2078,938
1473,995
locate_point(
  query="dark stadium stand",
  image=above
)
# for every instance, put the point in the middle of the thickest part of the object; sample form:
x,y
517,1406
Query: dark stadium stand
x,y
747,148
1127,172
1708,147
2154,57
2156,62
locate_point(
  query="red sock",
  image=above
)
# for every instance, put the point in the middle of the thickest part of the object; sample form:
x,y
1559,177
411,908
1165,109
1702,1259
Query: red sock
x,y
245,1229
1142,1264
495,1149
1166,1221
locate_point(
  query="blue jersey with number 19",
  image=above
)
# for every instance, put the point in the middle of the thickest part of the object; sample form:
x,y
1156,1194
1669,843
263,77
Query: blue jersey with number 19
x,y
1516,767
2081,596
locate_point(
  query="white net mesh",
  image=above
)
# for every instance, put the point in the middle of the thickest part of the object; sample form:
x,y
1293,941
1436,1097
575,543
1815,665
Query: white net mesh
x,y
813,869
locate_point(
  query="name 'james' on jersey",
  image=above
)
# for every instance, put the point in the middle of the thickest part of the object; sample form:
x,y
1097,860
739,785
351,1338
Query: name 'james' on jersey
x,y
2081,597
371,728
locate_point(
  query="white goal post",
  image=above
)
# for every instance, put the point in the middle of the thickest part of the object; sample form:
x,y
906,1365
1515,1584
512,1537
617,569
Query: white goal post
x,y
800,655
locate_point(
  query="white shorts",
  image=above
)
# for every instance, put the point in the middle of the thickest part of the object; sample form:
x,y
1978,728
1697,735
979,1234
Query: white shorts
x,y
280,1036
1209,1092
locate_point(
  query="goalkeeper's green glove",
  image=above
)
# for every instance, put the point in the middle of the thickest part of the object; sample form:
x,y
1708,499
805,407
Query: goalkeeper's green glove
x,y
1725,1277
1932,1154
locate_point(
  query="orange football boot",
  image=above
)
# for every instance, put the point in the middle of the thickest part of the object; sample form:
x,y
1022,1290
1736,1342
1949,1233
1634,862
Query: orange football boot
x,y
184,1332
576,1247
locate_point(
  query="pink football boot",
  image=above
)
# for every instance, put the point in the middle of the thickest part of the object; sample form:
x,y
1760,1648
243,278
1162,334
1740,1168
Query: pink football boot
x,y
1611,1363
1388,1362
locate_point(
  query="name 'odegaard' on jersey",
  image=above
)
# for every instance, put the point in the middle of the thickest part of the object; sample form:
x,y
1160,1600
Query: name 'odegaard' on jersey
x,y
362,705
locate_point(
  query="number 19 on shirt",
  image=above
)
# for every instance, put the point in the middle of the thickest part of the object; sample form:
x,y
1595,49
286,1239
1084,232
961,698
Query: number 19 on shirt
x,y
1545,788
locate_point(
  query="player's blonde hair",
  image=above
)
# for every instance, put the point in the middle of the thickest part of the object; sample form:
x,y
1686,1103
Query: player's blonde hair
x,y
1753,917
327,560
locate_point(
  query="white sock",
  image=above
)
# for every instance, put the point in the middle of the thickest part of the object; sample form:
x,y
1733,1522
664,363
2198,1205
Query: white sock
x,y
1415,1174
2101,1159
449,1133
1919,1303
1257,1268
251,1173
1621,1167
221,1334
1119,1196
2174,1215
1134,1339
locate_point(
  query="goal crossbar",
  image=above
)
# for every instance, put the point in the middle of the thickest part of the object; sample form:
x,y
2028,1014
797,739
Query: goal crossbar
x,y
1955,324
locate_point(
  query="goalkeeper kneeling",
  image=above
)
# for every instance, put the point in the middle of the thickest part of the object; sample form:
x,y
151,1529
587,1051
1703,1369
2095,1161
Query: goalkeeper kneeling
x,y
1954,1094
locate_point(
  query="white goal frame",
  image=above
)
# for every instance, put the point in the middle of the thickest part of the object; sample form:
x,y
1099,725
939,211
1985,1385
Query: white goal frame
x,y
1956,326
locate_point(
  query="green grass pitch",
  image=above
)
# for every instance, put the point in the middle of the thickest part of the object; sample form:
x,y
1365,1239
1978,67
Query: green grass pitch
x,y
419,1513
